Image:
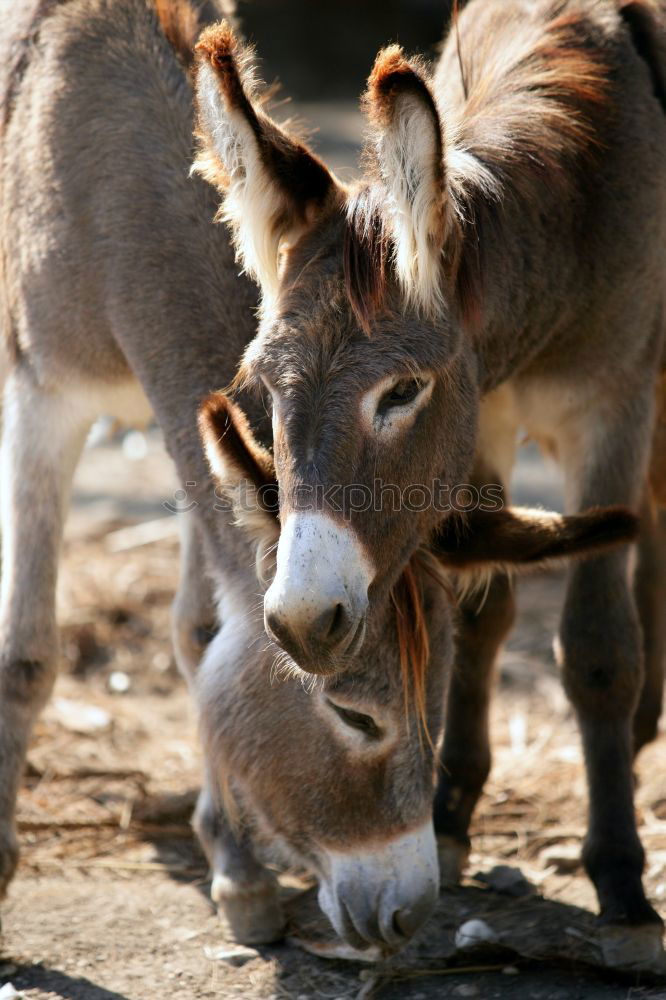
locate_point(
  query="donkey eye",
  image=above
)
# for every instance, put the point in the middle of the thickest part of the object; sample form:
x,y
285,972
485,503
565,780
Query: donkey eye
x,y
403,392
357,720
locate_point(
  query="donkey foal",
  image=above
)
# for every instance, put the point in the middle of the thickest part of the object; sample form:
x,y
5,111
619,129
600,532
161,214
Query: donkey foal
x,y
341,773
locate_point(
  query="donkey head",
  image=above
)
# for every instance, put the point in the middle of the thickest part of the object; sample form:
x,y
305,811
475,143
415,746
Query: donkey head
x,y
343,772
364,347
466,546
372,385
337,776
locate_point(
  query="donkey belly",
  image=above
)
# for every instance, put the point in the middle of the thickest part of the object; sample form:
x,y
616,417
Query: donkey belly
x,y
551,411
123,399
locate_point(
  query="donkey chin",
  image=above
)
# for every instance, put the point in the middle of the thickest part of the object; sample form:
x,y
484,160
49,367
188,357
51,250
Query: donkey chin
x,y
381,895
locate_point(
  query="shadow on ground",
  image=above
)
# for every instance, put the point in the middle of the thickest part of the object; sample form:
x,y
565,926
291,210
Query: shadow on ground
x,y
52,981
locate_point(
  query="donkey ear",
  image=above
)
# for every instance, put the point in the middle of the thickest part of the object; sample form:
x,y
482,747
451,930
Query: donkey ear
x,y
406,144
517,538
272,184
243,469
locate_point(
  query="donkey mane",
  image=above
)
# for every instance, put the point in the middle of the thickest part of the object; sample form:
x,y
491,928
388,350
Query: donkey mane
x,y
412,631
518,113
180,22
183,20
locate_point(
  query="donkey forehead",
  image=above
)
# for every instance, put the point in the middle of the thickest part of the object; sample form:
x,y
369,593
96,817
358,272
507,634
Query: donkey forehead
x,y
315,344
313,331
298,360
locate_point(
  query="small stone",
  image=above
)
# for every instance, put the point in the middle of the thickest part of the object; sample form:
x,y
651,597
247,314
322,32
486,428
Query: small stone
x,y
466,990
78,716
7,969
473,933
564,858
9,992
237,955
161,662
510,970
119,682
135,446
507,880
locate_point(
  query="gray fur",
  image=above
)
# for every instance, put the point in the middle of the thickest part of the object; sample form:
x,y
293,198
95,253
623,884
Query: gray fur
x,y
542,307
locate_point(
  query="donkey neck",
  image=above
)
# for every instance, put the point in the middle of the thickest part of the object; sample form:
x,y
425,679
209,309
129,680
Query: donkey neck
x,y
532,280
526,96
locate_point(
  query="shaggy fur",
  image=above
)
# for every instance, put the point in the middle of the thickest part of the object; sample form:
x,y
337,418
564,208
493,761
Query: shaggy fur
x,y
507,245
528,111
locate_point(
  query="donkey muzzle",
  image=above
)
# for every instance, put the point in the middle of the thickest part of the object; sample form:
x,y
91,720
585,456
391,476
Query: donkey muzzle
x,y
383,896
316,605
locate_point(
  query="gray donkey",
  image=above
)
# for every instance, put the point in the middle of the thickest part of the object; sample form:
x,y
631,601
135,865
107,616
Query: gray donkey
x,y
120,296
341,775
501,265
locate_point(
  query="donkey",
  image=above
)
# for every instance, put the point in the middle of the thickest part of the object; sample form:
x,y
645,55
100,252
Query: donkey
x,y
341,774
120,296
500,265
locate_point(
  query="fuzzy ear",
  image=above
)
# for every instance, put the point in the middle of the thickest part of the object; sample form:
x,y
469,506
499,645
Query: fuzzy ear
x,y
272,184
406,145
517,538
244,471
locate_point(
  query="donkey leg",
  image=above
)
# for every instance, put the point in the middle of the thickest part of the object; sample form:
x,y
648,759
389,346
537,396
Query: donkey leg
x,y
603,673
42,439
245,892
650,595
194,615
483,624
465,760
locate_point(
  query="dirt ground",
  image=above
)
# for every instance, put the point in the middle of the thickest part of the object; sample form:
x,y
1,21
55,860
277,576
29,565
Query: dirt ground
x,y
110,902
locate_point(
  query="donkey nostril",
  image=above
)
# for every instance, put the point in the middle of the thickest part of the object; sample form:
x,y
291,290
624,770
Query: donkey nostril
x,y
308,631
332,625
276,626
407,922
338,621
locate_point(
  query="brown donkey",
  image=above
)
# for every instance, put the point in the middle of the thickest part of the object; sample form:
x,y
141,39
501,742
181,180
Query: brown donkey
x,y
119,295
341,774
501,265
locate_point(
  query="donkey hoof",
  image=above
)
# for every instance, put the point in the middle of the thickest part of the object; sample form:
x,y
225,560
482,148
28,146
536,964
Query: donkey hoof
x,y
452,855
251,914
633,947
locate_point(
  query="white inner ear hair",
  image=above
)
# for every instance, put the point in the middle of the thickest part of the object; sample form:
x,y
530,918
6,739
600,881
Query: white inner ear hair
x,y
253,203
261,528
407,152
